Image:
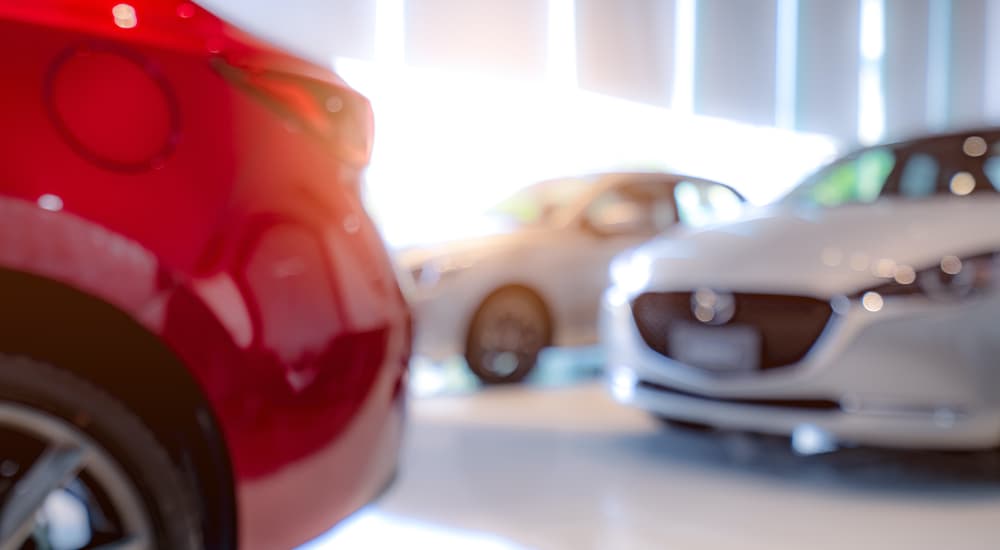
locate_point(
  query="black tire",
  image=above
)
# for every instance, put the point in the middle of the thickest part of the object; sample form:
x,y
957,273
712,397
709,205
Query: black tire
x,y
161,486
511,327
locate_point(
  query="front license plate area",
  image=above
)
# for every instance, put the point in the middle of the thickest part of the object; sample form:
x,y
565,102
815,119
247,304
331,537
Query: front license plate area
x,y
731,348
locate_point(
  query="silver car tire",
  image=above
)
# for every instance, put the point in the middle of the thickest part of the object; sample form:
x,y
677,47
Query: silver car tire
x,y
506,335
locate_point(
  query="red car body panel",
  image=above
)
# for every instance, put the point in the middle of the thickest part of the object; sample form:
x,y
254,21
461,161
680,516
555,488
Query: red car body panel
x,y
131,169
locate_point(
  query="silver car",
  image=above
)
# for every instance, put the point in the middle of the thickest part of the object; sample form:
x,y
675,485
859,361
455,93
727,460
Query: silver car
x,y
860,310
499,300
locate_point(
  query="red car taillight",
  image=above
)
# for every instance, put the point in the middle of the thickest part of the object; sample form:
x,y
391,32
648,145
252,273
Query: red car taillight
x,y
337,115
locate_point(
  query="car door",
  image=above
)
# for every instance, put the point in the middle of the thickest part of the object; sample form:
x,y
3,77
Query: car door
x,y
628,212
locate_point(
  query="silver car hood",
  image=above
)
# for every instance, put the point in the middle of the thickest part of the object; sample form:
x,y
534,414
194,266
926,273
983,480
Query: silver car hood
x,y
470,250
823,252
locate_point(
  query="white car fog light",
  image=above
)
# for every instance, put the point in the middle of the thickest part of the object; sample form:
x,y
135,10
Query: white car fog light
x,y
808,439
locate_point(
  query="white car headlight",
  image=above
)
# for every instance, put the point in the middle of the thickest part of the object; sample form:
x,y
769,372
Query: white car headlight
x,y
952,277
631,272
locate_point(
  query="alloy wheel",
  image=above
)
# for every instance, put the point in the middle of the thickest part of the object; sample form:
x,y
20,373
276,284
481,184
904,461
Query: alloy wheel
x,y
60,490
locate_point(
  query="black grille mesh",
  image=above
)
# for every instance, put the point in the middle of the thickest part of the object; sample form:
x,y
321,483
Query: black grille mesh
x,y
788,325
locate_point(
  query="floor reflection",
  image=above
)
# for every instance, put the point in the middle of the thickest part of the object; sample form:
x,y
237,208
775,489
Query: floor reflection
x,y
556,368
557,465
371,529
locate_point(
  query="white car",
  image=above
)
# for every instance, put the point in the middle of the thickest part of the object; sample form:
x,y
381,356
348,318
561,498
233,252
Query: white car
x,y
499,300
861,309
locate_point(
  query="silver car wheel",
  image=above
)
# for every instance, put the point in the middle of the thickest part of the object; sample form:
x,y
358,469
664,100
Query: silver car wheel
x,y
509,331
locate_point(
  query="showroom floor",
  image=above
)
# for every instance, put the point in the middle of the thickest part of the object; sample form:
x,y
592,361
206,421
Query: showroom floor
x,y
557,465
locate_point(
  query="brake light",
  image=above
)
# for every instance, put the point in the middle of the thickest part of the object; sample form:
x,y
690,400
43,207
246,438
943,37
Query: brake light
x,y
337,115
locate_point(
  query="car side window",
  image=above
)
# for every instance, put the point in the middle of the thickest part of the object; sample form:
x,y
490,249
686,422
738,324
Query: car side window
x,y
638,208
857,179
701,202
992,168
949,167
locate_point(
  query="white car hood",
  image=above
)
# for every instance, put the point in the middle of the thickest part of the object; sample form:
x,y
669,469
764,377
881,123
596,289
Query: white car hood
x,y
823,252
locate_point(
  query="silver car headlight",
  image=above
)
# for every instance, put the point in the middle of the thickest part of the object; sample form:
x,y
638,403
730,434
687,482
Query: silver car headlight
x,y
432,272
951,278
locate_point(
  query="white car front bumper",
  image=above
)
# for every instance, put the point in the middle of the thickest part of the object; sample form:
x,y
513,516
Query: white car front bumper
x,y
917,374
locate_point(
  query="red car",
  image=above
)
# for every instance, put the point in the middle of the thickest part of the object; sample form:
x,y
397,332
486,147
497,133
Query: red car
x,y
202,340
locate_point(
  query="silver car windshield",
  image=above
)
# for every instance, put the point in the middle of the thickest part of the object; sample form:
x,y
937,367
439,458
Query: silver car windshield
x,y
541,203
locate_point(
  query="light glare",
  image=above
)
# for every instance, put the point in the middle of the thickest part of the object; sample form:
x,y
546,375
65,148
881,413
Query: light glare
x,y
685,27
885,268
859,261
390,31
437,127
705,297
808,439
872,301
52,203
951,265
786,61
631,274
905,275
871,102
704,314
186,10
562,43
872,30
125,16
974,146
623,382
334,104
832,257
962,183
939,81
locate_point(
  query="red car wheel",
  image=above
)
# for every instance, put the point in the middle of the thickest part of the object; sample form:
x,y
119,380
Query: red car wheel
x,y
78,470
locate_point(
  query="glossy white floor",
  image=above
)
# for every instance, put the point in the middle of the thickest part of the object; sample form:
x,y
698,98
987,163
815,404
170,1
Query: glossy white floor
x,y
560,466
